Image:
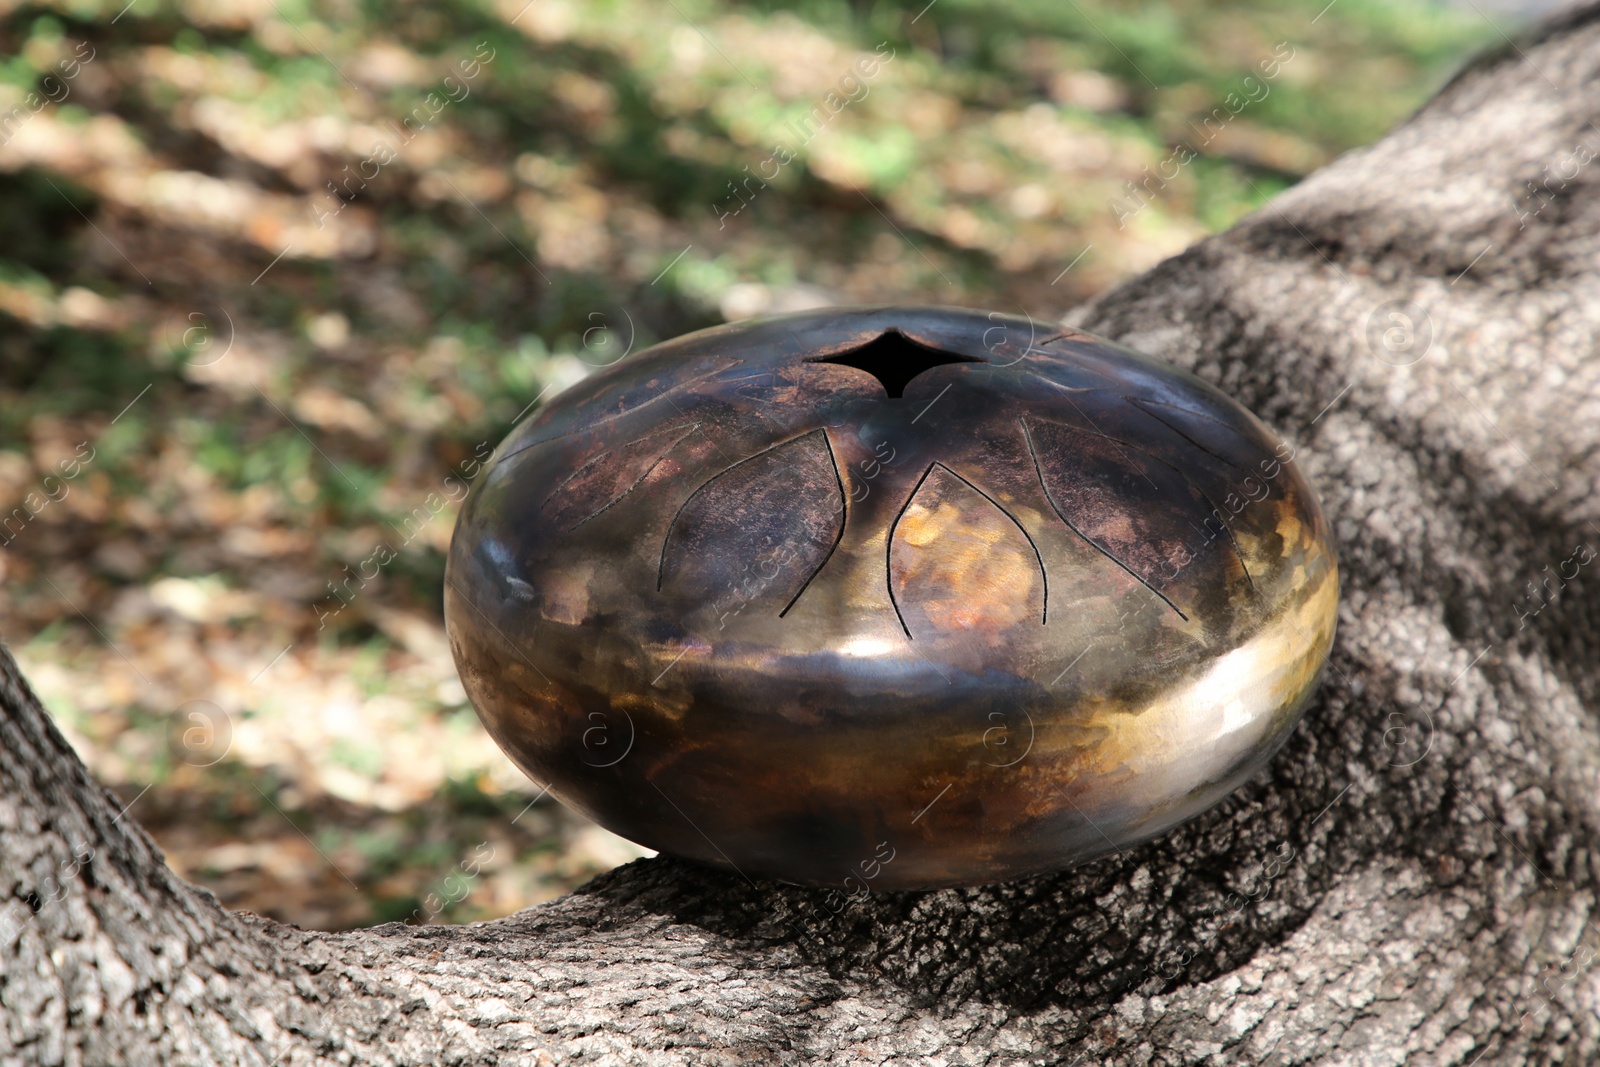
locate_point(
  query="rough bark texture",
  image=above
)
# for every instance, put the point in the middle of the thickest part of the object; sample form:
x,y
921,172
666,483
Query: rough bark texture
x,y
1412,881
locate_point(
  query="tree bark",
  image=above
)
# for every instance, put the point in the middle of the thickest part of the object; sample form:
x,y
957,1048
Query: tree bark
x,y
1412,880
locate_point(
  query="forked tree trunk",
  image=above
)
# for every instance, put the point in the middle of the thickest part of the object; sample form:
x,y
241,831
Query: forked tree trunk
x,y
1413,880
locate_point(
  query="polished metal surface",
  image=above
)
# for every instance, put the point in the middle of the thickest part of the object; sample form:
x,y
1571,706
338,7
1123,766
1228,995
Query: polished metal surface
x,y
890,597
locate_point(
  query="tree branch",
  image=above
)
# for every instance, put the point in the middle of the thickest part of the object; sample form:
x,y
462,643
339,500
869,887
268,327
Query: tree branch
x,y
1412,880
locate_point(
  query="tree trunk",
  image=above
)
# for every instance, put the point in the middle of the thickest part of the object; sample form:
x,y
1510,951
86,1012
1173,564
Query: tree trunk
x,y
1413,880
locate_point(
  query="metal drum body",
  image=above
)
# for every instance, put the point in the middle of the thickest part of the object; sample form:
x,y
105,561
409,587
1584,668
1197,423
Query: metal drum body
x,y
890,597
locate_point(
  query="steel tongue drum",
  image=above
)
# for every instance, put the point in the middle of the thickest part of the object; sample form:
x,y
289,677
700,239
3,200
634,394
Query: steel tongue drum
x,y
895,597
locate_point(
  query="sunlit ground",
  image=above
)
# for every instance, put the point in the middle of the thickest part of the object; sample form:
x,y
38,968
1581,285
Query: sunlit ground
x,y
271,274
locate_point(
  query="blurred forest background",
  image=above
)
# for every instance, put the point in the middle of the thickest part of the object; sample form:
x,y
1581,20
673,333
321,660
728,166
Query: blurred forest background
x,y
272,271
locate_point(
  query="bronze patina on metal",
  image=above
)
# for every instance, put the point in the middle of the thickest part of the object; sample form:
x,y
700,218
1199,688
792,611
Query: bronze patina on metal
x,y
907,597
